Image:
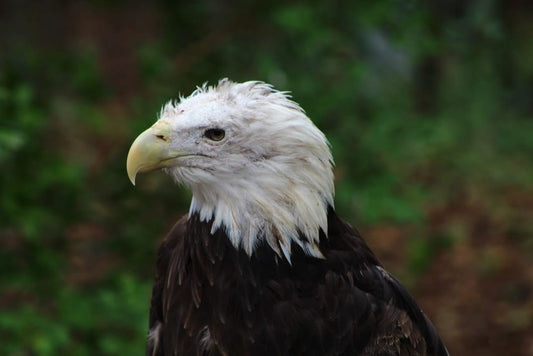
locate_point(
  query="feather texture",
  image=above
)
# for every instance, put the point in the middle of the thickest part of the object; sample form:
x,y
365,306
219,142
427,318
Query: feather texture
x,y
342,304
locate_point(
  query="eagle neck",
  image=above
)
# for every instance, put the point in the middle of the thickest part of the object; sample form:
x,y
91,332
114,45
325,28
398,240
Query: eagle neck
x,y
249,214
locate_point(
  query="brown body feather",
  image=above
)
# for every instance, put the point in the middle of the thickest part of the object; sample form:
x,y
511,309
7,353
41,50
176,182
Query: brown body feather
x,y
212,299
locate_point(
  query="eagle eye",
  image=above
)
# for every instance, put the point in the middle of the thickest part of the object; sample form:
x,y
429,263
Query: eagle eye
x,y
215,134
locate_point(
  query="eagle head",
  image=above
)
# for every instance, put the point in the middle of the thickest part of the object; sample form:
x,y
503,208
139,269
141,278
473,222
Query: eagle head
x,y
257,166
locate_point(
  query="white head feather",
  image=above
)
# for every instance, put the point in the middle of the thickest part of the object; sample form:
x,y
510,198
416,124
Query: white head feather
x,y
270,178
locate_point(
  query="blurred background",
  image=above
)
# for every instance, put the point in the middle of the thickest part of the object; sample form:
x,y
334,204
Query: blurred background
x,y
428,107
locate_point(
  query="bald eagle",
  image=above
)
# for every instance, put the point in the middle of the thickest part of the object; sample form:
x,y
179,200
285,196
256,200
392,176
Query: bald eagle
x,y
262,264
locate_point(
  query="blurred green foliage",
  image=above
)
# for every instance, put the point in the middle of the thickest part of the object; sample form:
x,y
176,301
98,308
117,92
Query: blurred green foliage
x,y
425,104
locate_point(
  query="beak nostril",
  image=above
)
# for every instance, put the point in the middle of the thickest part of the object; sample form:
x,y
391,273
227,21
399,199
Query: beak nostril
x,y
161,137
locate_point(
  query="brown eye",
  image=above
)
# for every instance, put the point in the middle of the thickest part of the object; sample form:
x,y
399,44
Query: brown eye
x,y
215,134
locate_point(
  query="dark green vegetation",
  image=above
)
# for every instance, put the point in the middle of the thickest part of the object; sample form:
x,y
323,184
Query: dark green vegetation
x,y
428,109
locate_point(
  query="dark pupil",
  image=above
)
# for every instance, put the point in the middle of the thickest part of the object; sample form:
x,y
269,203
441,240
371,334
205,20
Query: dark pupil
x,y
215,134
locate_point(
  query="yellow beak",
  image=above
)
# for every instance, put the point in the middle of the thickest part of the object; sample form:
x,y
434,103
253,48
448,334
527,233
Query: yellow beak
x,y
151,151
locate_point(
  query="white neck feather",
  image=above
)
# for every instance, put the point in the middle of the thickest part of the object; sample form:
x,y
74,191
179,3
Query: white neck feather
x,y
276,208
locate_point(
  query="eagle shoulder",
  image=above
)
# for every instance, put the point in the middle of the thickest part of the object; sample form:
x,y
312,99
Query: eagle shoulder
x,y
399,326
156,316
